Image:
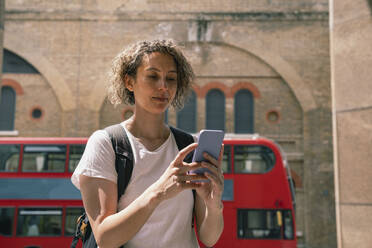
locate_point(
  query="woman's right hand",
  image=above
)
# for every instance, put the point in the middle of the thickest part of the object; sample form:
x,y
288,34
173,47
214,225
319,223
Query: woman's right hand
x,y
176,178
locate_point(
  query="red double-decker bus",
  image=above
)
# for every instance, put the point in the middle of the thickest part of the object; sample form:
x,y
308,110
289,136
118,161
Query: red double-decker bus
x,y
259,200
39,205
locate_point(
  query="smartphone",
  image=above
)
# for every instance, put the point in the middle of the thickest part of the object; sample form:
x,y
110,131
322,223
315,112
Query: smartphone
x,y
209,141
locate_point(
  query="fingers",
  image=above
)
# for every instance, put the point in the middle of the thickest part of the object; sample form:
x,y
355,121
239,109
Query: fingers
x,y
215,162
183,153
188,177
220,157
213,172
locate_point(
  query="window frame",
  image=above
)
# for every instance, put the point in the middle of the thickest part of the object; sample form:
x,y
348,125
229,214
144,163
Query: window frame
x,y
238,110
9,107
208,119
191,102
270,166
280,224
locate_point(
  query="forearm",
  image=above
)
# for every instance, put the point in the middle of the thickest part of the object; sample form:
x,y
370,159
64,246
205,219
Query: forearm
x,y
211,226
115,230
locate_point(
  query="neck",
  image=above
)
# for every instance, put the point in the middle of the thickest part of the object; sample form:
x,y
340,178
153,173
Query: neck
x,y
147,125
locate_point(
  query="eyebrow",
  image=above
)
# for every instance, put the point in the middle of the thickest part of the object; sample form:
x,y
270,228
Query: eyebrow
x,y
155,69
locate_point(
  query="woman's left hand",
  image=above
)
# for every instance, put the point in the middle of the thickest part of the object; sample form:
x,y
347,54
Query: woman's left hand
x,y
211,191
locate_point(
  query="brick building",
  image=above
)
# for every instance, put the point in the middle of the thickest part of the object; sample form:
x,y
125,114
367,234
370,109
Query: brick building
x,y
261,66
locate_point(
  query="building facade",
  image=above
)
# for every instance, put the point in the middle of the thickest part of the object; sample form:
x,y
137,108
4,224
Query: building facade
x,y
261,67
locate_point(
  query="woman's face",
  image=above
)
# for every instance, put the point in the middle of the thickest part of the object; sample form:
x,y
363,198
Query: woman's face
x,y
155,84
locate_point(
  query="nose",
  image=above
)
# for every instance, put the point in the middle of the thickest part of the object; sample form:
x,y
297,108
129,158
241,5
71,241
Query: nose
x,y
163,84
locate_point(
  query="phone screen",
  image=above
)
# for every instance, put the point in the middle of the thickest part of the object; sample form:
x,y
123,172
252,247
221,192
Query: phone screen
x,y
209,141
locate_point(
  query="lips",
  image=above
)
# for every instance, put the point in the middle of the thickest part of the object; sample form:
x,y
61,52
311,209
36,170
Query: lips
x,y
160,99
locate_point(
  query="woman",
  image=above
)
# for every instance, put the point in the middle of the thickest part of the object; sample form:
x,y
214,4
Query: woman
x,y
157,207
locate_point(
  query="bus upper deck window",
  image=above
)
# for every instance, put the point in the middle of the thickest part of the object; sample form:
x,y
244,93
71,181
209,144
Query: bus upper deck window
x,y
76,151
44,158
226,162
9,158
253,159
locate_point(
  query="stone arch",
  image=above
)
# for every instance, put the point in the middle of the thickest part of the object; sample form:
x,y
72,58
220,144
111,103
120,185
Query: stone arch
x,y
284,69
55,79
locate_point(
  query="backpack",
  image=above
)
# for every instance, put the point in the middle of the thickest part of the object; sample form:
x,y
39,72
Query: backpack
x,y
124,167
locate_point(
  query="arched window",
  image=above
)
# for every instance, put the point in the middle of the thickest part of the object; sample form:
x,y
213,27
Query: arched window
x,y
244,112
166,116
12,63
7,108
215,109
186,117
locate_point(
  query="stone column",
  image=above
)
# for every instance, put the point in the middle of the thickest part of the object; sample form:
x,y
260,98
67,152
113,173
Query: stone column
x,y
351,54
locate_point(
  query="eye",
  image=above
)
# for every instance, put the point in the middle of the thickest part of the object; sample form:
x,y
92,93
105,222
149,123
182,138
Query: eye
x,y
172,79
152,76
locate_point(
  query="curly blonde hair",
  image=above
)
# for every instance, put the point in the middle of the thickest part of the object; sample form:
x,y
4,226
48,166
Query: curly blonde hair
x,y
127,62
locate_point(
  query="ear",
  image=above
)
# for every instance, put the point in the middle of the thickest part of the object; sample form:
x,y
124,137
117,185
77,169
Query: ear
x,y
128,82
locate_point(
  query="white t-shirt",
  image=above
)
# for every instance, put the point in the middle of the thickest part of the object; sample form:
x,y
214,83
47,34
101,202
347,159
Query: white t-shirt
x,y
170,223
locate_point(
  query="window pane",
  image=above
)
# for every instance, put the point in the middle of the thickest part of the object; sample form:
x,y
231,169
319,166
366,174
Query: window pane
x,y
166,116
186,117
9,157
44,158
6,221
72,214
12,63
226,162
288,225
253,159
215,110
76,151
259,224
7,108
39,222
244,112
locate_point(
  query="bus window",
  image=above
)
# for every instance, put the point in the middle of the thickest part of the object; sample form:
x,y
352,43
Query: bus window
x,y
76,151
39,222
226,162
44,158
72,214
6,221
253,159
9,157
288,225
258,224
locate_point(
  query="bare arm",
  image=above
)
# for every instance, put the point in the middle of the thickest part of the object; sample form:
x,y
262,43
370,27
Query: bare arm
x,y
112,229
208,204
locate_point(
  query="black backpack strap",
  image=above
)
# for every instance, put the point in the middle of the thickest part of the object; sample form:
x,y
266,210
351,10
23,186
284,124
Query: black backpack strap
x,y
123,156
183,139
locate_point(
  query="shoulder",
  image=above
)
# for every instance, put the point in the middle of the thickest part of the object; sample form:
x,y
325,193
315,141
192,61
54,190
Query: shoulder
x,y
98,159
99,140
99,136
